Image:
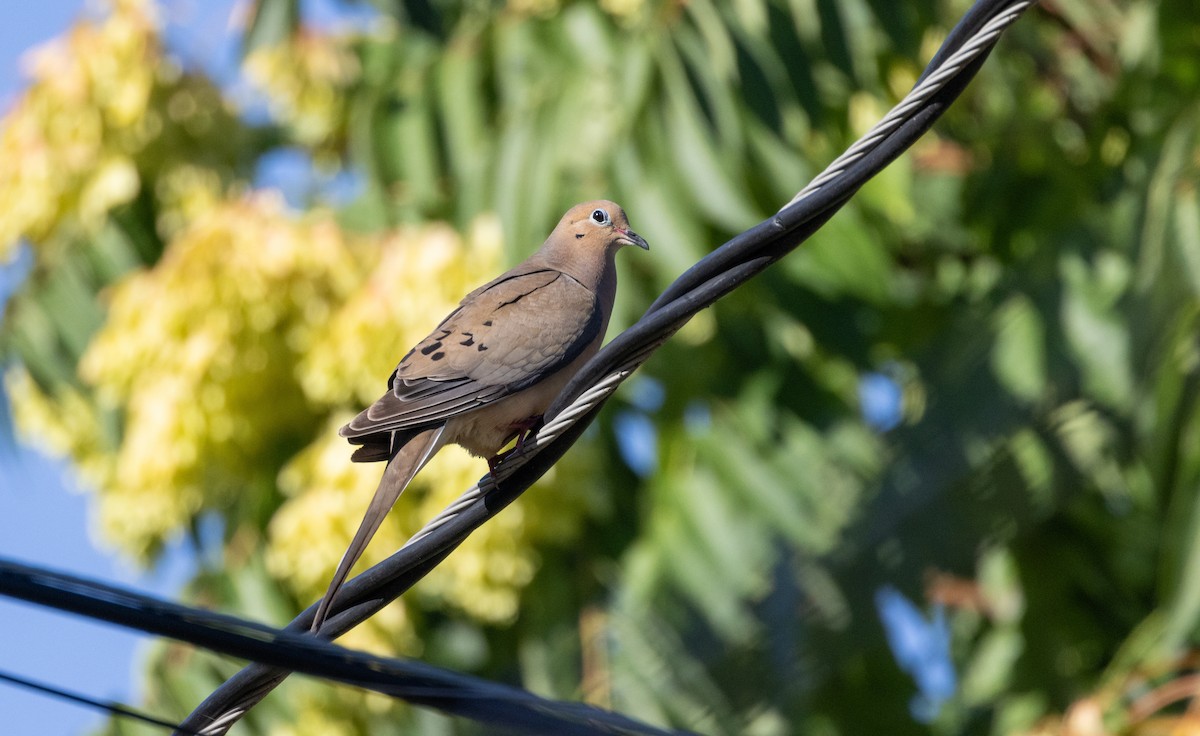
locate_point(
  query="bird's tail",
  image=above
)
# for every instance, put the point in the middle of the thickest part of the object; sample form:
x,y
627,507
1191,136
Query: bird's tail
x,y
400,470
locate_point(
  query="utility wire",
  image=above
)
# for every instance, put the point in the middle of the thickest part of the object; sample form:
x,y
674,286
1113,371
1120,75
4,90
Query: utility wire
x,y
108,706
461,695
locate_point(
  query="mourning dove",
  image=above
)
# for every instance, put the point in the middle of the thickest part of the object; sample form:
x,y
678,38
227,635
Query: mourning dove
x,y
486,374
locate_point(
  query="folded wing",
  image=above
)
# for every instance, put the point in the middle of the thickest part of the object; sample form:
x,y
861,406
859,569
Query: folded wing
x,y
504,337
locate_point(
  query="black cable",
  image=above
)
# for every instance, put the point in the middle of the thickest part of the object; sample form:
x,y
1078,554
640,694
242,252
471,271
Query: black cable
x,y
498,705
108,706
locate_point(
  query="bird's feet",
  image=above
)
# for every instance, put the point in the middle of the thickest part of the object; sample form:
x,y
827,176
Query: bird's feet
x,y
522,430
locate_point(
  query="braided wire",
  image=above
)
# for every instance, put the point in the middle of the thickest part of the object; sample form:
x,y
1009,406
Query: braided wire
x,y
727,267
918,96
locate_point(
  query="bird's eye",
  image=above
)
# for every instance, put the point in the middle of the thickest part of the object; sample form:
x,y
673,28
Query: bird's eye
x,y
600,216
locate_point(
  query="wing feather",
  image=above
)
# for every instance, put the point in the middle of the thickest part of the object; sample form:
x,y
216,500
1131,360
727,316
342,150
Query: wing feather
x,y
504,337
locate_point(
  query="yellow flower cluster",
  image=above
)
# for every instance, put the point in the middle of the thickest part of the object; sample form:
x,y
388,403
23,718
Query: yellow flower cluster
x,y
185,192
80,139
484,577
305,80
199,353
315,709
64,425
327,498
317,720
419,277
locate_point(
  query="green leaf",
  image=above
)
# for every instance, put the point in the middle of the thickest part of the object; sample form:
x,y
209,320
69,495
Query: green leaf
x,y
1095,329
843,260
1019,353
990,669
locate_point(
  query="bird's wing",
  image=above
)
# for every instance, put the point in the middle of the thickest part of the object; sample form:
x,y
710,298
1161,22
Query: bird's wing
x,y
504,337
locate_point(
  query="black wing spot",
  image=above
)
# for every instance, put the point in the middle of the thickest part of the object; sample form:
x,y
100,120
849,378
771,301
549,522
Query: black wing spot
x,y
578,236
488,323
437,356
431,347
468,342
481,347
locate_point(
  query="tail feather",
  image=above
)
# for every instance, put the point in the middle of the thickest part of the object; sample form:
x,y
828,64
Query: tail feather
x,y
400,470
371,454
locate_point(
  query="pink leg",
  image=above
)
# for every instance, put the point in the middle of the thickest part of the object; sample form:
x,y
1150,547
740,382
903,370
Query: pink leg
x,y
526,430
523,429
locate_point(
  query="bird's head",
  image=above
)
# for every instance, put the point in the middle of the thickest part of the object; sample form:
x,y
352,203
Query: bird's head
x,y
597,226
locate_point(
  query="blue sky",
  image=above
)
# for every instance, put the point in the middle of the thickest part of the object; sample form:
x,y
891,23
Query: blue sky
x,y
27,24
44,520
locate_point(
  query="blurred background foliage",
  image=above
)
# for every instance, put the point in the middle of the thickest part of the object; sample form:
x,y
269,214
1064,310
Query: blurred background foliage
x,y
963,420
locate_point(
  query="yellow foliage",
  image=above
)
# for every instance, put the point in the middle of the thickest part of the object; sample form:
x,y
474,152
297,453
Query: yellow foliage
x,y
305,80
328,495
199,354
88,87
485,575
77,142
310,531
65,424
314,717
420,276
184,193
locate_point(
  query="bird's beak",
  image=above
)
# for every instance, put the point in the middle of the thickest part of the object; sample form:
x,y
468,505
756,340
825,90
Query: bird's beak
x,y
629,237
